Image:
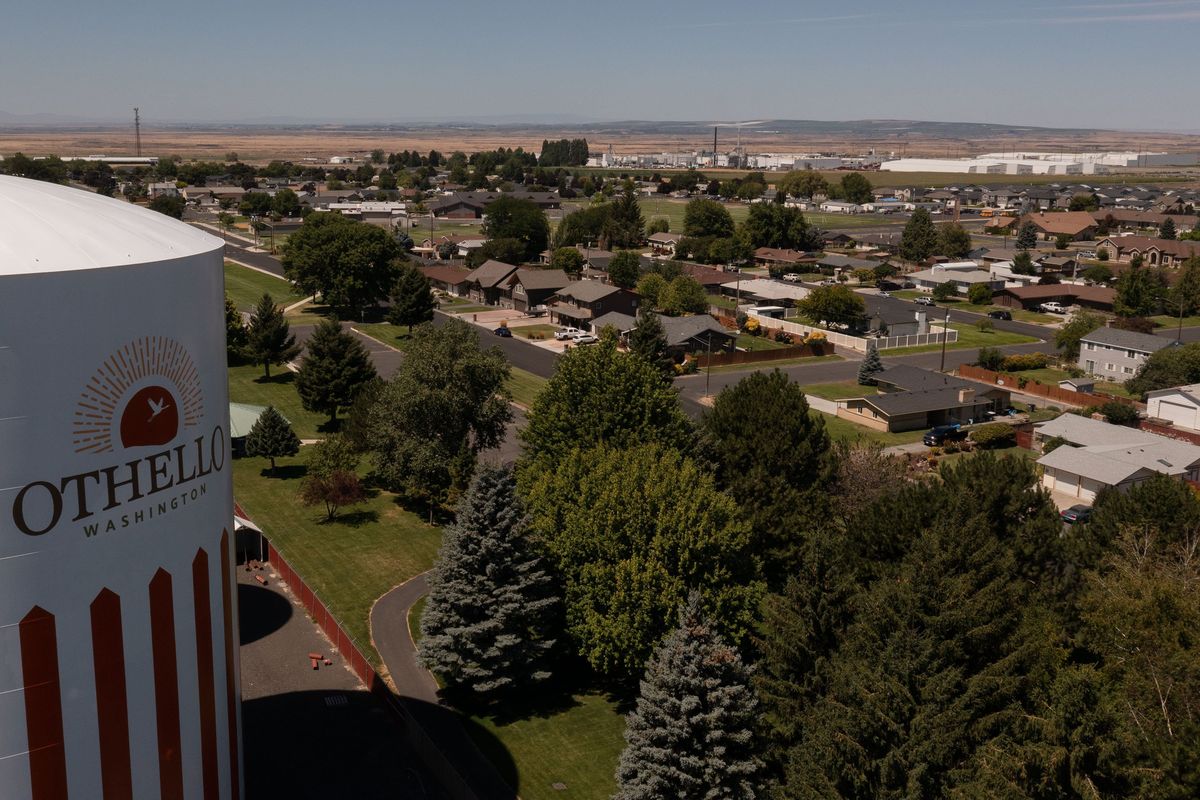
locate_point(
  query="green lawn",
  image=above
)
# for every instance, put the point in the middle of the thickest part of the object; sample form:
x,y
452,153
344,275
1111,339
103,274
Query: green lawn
x,y
1172,323
842,429
246,386
577,744
350,562
1052,376
469,309
755,343
721,301
385,332
309,314
769,365
837,391
246,286
527,331
450,302
524,386
577,747
969,336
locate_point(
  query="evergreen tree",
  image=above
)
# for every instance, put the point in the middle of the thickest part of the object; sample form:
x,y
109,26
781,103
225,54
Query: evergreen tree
x,y
271,437
772,456
412,299
625,221
954,241
487,627
271,339
624,269
236,337
1027,236
648,341
691,736
871,365
920,238
1167,229
335,368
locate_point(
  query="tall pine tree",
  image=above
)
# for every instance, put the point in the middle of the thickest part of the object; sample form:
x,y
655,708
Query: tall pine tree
x,y
488,625
412,299
271,339
271,437
691,736
335,367
870,367
648,341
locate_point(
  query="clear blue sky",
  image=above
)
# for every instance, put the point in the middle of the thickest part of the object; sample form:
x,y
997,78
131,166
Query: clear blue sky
x,y
1095,63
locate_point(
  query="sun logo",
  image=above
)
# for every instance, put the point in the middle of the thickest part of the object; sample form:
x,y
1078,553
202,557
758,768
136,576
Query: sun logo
x,y
141,396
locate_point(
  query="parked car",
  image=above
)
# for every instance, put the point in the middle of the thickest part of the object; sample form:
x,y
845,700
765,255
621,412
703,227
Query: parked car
x,y
562,334
907,284
883,293
1000,314
1053,308
943,433
925,301
503,333
1076,515
829,282
585,338
792,277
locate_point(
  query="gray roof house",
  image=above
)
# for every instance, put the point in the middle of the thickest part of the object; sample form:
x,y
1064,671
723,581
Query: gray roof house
x,y
527,289
690,334
484,282
912,398
1099,456
580,302
1115,354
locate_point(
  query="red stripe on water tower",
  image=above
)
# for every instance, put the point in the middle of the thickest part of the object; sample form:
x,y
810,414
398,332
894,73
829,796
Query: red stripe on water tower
x,y
166,686
231,676
43,705
112,709
205,678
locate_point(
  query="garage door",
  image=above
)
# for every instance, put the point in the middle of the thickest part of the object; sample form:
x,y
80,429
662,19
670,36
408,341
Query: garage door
x,y
1060,482
1087,490
1182,415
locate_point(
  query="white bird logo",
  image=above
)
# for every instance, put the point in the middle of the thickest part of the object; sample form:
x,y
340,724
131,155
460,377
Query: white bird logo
x,y
157,408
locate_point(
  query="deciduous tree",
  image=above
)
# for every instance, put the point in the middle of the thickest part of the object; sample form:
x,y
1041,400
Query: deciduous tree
x,y
350,264
920,238
624,269
833,306
954,241
519,219
1067,337
683,295
707,218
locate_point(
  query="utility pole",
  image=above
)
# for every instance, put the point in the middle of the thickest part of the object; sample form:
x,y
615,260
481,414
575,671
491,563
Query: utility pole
x,y
137,132
945,336
708,366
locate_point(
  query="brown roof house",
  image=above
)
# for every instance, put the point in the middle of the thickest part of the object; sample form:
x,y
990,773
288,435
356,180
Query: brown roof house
x,y
1030,297
911,398
580,302
448,279
486,283
1072,224
529,290
1154,252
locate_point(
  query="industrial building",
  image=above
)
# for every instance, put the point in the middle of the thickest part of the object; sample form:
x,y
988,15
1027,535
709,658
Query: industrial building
x,y
1041,163
119,672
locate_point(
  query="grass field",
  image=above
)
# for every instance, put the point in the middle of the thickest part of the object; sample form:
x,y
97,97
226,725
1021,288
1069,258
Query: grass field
x,y
279,390
1052,376
385,332
524,386
246,286
350,562
755,343
837,391
844,430
969,337
672,209
527,331
770,365
1171,323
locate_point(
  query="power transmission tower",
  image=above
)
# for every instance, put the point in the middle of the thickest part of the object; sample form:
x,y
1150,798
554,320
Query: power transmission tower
x,y
137,131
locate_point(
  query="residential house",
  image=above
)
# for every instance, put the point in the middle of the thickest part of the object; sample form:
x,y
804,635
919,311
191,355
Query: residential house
x,y
765,292
1122,219
473,205
1098,456
1154,252
529,290
711,278
663,244
1099,298
1178,406
832,263
580,302
963,274
448,279
912,398
897,319
840,207
162,189
1075,225
697,333
486,283
782,260
1116,355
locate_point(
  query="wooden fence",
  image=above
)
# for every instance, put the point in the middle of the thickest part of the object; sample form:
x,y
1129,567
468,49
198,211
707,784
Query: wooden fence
x,y
1039,389
1170,431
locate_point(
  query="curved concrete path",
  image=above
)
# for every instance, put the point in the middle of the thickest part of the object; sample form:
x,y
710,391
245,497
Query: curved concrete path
x,y
417,689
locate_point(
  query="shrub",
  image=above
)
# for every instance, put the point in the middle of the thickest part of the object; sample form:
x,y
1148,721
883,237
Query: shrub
x,y
990,358
980,294
1053,444
994,434
1119,413
985,325
1023,361
944,291
1102,254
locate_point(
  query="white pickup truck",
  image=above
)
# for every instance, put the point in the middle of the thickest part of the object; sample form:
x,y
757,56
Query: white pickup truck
x,y
1053,308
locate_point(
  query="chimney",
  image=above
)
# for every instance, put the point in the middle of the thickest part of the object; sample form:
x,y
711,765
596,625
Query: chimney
x,y
966,395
